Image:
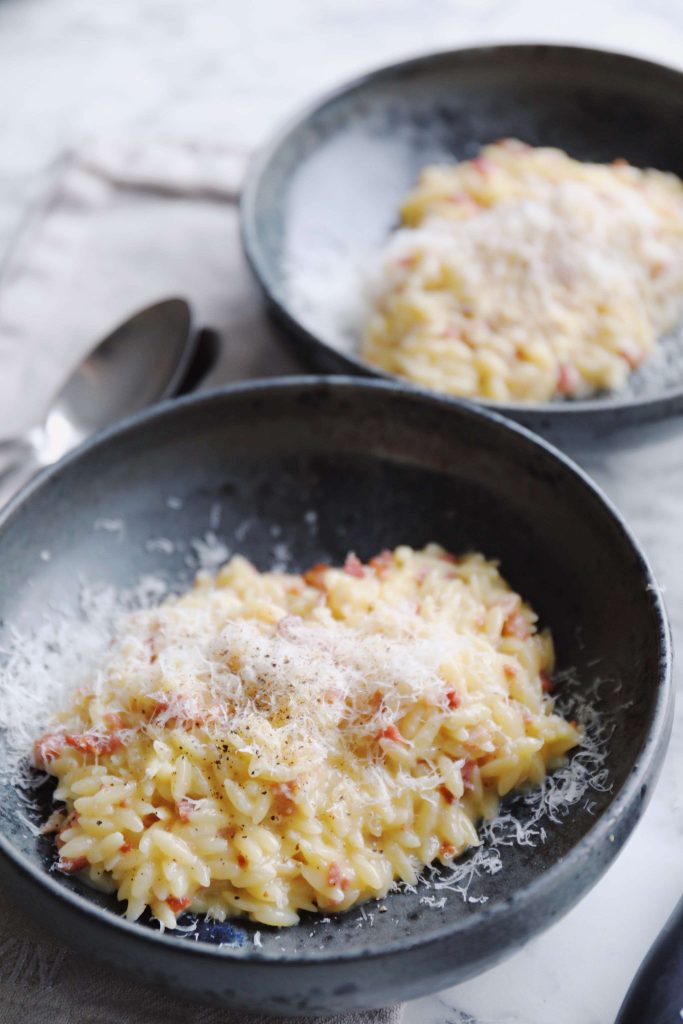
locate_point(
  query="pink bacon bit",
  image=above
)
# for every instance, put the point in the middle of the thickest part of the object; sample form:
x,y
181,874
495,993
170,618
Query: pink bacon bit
x,y
382,562
453,700
514,145
516,625
509,671
375,700
186,713
447,851
353,566
446,556
634,359
284,797
482,165
446,794
568,379
94,743
178,903
466,773
150,643
70,865
125,847
315,576
336,879
186,808
406,262
47,748
546,681
160,706
390,732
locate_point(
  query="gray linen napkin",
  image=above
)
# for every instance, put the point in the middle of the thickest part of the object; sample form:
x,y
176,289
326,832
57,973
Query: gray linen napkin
x,y
124,223
42,981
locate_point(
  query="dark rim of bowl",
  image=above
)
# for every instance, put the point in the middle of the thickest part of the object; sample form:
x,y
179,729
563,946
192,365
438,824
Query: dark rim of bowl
x,y
259,263
182,307
563,870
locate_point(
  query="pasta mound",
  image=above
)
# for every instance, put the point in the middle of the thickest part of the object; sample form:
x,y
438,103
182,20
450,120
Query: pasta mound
x,y
269,743
525,275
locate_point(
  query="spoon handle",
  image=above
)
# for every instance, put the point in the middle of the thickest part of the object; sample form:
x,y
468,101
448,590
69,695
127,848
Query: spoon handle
x,y
656,993
18,464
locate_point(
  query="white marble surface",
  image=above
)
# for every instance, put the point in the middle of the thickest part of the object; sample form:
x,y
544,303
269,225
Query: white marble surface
x,y
214,71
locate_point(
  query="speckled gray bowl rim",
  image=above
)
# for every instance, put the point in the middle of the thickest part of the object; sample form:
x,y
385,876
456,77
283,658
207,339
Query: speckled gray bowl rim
x,y
598,836
668,402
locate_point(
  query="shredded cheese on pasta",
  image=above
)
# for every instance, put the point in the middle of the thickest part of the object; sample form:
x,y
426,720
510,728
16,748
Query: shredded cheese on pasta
x,y
269,743
524,274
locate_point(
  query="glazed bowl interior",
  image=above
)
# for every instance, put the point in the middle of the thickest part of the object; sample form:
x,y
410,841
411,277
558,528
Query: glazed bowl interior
x,y
243,470
322,198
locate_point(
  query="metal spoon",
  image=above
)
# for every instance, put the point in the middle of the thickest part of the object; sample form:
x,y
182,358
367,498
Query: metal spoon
x,y
656,993
141,362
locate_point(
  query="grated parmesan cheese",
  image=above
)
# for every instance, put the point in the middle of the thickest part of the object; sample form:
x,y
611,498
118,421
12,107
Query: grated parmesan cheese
x,y
269,743
524,274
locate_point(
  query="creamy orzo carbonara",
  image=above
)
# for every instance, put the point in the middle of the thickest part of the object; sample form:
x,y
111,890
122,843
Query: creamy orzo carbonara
x,y
269,743
524,274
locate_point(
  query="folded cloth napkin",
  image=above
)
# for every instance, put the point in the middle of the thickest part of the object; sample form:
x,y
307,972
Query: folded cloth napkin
x,y
123,224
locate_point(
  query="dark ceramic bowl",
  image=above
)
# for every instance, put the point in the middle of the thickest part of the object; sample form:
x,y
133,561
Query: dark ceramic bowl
x,y
322,197
379,466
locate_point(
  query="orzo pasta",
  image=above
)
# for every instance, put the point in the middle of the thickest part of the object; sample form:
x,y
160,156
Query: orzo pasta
x,y
524,274
269,743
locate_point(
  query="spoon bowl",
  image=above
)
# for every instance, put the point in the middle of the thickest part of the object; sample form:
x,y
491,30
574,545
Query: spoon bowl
x,y
141,362
138,364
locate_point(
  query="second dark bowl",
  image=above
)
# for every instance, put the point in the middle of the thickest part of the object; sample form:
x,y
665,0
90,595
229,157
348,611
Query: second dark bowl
x,y
325,193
